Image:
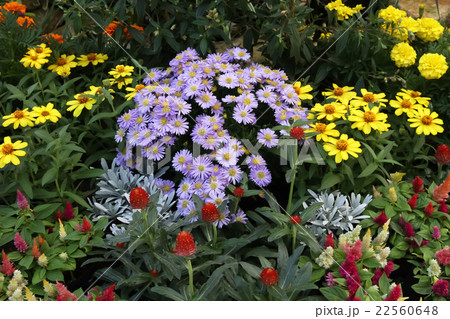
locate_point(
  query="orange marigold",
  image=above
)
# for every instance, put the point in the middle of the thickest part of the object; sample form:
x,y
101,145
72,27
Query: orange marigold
x,y
53,37
25,20
15,7
128,35
111,28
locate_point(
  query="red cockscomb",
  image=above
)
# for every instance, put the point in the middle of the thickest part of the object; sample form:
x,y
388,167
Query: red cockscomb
x,y
429,209
417,185
412,202
381,219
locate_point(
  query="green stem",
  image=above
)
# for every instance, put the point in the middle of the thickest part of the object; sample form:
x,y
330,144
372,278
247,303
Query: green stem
x,y
291,190
191,277
147,229
215,234
40,84
294,237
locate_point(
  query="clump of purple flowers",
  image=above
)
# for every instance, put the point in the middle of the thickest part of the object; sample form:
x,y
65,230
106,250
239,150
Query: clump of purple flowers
x,y
192,99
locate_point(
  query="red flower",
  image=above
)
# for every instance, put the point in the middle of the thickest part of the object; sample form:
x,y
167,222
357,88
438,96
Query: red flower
x,y
111,28
154,273
297,133
269,276
423,243
108,294
429,209
238,192
120,245
409,230
35,250
329,242
413,201
443,207
436,233
388,269
138,198
68,212
440,193
41,240
185,245
440,288
210,213
381,219
296,220
401,221
442,154
20,243
7,266
86,226
395,294
443,256
417,185
22,201
59,216
64,294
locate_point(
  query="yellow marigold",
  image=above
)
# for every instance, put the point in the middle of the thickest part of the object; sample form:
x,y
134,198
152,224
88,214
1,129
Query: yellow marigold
x,y
407,24
391,14
429,29
369,119
42,50
432,65
121,71
404,105
342,94
80,103
329,111
403,55
369,97
324,130
94,58
33,60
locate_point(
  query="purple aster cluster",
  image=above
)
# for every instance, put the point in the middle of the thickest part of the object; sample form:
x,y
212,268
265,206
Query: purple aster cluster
x,y
190,100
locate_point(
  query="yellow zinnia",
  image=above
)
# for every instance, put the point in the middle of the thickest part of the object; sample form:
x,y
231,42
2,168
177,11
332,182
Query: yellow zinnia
x,y
120,82
342,147
42,50
369,119
19,117
80,103
324,130
94,58
121,71
404,105
34,60
432,66
9,151
369,97
44,113
330,111
415,96
133,91
341,94
302,91
426,122
63,65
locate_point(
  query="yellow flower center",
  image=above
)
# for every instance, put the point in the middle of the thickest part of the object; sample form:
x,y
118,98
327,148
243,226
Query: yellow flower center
x,y
91,56
406,104
39,50
126,117
247,101
177,124
201,168
427,120
139,120
227,156
232,172
120,69
163,121
320,127
34,57
181,160
243,113
206,98
268,137
338,91
329,109
18,115
7,149
45,113
369,116
415,94
82,99
201,132
61,62
342,145
166,188
261,174
369,97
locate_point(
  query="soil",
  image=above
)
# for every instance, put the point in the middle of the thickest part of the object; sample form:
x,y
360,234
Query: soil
x,y
430,8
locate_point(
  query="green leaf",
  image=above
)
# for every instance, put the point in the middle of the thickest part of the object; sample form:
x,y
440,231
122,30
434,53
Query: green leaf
x,y
213,281
371,263
77,199
310,212
37,226
38,276
203,45
368,170
330,180
383,283
168,292
252,270
278,233
271,200
334,293
54,275
49,176
26,261
45,210
290,268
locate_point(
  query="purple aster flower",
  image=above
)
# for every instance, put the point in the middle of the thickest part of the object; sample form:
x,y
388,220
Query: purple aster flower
x,y
224,219
214,184
181,106
193,88
133,137
247,99
168,140
185,189
180,125
217,197
225,67
164,108
243,114
127,120
181,160
226,156
183,206
167,186
199,133
155,151
233,174
240,217
201,167
154,75
255,161
240,54
211,141
267,137
162,124
228,80
260,176
266,95
229,99
146,136
119,135
216,58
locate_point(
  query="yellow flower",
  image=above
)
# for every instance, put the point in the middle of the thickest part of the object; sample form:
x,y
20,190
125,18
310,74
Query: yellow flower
x,y
369,97
302,91
342,147
325,36
121,71
414,96
341,94
330,111
404,105
9,151
133,91
407,24
426,122
22,118
392,196
94,58
29,296
62,231
432,66
34,61
80,103
42,261
50,289
41,50
120,82
324,130
397,176
403,55
44,113
391,14
369,119
63,65
429,29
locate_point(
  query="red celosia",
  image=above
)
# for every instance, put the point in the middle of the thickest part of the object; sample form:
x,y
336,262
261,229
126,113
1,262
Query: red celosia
x,y
409,230
349,270
108,294
35,250
329,242
355,250
413,201
269,276
353,284
68,212
443,256
381,219
417,185
442,154
443,207
441,192
429,209
401,221
388,269
436,233
59,216
22,201
86,226
7,266
64,294
185,245
20,243
395,294
440,288
41,240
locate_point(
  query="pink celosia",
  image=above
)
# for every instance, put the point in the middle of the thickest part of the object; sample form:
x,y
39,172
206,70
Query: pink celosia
x,y
389,268
413,201
440,193
329,278
409,230
329,242
443,207
349,270
20,243
436,233
68,212
64,294
381,219
417,185
108,294
429,209
21,201
396,293
443,256
86,226
7,266
356,249
440,288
